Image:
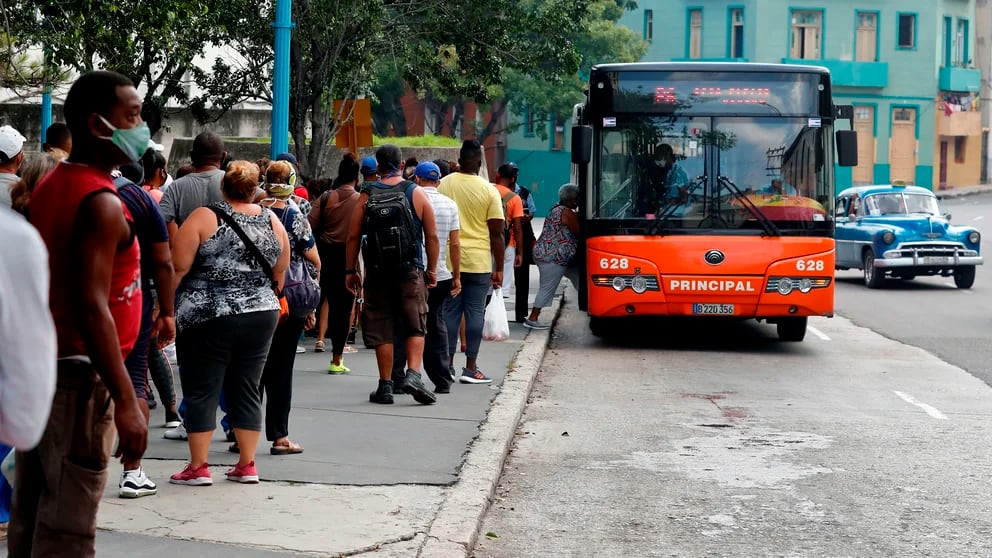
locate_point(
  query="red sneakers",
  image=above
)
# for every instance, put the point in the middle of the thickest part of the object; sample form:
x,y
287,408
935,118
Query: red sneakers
x,y
193,477
246,474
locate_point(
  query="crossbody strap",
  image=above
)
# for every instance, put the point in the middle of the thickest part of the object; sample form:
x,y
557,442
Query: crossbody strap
x,y
252,248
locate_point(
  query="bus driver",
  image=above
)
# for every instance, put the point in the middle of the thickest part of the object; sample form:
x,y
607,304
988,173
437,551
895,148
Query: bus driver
x,y
665,178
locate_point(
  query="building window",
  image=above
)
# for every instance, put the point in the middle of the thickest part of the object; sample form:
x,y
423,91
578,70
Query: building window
x,y
960,142
907,31
866,48
695,33
737,33
558,143
807,26
902,115
948,42
961,44
528,122
648,25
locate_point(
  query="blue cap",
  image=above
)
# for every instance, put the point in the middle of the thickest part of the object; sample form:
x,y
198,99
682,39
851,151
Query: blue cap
x,y
369,165
288,157
428,171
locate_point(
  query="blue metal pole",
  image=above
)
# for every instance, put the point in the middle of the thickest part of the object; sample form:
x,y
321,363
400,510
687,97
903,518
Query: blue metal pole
x,y
280,78
46,103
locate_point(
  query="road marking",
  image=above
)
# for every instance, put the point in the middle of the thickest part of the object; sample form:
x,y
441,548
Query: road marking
x,y
979,218
818,333
929,410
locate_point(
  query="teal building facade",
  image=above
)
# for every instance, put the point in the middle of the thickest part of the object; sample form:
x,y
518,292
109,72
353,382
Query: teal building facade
x,y
907,66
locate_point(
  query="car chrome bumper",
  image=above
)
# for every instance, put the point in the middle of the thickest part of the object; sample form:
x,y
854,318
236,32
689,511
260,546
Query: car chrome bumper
x,y
928,261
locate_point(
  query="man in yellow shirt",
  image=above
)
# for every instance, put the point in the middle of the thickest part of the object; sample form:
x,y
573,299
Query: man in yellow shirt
x,y
480,213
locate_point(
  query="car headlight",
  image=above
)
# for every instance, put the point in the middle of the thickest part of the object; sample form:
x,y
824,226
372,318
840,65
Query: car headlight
x,y
888,237
639,284
974,237
785,286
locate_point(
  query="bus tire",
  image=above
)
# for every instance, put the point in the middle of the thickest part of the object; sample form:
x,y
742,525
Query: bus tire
x,y
601,327
792,329
964,277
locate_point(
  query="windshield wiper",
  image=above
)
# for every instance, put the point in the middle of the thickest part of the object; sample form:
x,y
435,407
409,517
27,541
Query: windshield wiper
x,y
669,210
766,223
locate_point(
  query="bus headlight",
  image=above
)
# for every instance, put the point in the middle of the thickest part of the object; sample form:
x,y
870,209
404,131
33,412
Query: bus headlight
x,y
974,237
785,286
639,284
619,283
805,285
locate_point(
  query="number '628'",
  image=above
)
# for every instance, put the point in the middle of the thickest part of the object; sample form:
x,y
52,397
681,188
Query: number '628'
x,y
809,265
614,263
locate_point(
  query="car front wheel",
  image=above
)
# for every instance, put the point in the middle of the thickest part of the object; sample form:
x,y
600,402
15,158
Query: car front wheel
x,y
964,277
874,278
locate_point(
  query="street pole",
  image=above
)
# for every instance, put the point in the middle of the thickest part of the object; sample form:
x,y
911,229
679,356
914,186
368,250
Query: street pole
x,y
280,79
46,99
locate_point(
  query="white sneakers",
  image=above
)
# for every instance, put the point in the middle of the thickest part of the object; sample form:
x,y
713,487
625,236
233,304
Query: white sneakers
x,y
135,484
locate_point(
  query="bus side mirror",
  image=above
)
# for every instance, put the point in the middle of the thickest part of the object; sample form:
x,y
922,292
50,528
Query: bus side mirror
x,y
847,148
581,144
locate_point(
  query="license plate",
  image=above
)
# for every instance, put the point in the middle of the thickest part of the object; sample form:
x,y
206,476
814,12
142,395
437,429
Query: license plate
x,y
936,260
713,309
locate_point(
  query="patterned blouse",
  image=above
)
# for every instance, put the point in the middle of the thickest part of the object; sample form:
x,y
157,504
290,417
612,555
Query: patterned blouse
x,y
225,278
557,244
300,235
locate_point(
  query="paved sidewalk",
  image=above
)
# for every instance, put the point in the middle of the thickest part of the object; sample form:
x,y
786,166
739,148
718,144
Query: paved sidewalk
x,y
400,480
960,191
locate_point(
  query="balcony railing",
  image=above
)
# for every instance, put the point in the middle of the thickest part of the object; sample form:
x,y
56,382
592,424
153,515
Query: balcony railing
x,y
958,123
959,79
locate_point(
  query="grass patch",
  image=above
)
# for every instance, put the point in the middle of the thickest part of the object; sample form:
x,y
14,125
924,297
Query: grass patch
x,y
419,141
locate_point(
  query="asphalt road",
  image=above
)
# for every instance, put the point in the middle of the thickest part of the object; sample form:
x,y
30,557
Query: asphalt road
x,y
714,439
929,312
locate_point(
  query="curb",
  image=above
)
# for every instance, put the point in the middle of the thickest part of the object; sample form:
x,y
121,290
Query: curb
x,y
455,529
952,193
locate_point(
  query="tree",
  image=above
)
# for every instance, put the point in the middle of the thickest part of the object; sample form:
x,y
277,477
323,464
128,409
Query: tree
x,y
153,43
599,40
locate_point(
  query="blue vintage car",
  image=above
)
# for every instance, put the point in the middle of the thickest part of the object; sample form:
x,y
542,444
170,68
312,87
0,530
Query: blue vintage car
x,y
898,231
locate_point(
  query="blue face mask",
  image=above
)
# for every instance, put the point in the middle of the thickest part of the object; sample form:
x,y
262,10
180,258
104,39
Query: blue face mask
x,y
132,142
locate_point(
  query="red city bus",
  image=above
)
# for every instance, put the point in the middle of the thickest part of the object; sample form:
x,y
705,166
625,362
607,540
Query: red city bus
x,y
707,190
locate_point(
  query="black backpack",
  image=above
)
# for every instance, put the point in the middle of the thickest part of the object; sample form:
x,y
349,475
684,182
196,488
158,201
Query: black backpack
x,y
392,233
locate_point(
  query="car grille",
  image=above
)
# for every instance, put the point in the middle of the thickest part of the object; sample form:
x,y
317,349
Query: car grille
x,y
930,249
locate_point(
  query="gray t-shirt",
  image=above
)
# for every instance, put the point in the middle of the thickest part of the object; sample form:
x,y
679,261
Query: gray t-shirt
x,y
6,181
189,193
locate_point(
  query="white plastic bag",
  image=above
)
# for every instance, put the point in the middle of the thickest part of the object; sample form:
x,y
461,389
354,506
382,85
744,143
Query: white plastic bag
x,y
496,326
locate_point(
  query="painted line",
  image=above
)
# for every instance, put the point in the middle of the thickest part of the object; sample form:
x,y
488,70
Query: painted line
x,y
927,408
979,218
818,333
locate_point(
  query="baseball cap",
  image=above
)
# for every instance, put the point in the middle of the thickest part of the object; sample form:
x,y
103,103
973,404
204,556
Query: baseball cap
x,y
288,157
11,142
508,170
428,171
369,165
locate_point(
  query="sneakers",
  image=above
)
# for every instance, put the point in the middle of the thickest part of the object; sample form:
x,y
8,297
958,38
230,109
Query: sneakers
x,y
534,324
177,433
135,484
383,395
172,420
338,368
474,377
245,474
413,385
451,373
193,477
300,349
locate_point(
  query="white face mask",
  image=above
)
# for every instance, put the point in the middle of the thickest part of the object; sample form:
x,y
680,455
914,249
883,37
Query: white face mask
x,y
660,163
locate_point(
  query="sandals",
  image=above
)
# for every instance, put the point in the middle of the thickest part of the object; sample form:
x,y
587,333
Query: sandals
x,y
318,347
286,448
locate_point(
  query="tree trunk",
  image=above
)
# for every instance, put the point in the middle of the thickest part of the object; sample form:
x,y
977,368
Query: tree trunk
x,y
320,126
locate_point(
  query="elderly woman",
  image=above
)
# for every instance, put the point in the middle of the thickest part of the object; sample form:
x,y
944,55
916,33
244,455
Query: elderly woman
x,y
228,258
277,376
554,252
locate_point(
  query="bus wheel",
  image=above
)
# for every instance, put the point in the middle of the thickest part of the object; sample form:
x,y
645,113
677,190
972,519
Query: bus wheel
x,y
964,277
874,277
792,329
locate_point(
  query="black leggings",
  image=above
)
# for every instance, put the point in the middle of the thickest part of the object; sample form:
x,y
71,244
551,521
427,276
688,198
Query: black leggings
x,y
277,378
339,299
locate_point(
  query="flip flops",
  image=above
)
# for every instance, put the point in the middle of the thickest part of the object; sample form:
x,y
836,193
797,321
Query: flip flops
x,y
287,448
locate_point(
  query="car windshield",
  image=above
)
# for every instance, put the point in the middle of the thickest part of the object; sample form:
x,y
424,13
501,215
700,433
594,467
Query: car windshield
x,y
901,203
714,173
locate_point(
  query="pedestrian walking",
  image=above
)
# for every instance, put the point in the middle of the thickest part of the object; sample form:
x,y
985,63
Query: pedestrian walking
x,y
11,158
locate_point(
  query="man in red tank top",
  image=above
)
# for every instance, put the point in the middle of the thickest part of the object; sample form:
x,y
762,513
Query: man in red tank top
x,y
95,299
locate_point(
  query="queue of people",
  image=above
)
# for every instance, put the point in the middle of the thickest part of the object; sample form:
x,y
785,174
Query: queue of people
x,y
115,260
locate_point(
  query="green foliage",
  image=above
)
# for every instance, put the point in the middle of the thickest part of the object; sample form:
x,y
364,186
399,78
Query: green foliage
x,y
418,141
153,43
599,40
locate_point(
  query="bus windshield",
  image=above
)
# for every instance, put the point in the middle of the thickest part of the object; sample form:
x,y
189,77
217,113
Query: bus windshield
x,y
718,174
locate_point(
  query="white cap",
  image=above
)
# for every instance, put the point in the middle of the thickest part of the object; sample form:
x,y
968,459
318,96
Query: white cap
x,y
155,146
11,142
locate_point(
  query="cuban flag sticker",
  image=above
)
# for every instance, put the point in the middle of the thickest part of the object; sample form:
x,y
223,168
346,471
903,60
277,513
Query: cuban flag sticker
x,y
609,121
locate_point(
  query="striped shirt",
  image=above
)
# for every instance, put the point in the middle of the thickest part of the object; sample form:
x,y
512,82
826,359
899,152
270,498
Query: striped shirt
x,y
446,216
